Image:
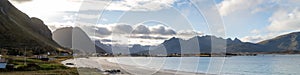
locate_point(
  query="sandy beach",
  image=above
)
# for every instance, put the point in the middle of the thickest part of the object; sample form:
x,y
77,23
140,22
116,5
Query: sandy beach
x,y
102,64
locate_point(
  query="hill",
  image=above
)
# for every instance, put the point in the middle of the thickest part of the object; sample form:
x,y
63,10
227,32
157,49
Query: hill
x,y
285,42
18,32
76,38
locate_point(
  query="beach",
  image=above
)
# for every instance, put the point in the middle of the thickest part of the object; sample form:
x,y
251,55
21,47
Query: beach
x,y
102,64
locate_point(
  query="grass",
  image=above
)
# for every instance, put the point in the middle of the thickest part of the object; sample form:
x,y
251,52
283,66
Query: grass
x,y
70,71
52,66
37,67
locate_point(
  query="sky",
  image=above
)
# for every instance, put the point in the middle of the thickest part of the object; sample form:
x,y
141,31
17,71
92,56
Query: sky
x,y
150,22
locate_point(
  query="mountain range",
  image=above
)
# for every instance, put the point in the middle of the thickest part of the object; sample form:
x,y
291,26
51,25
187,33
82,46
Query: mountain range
x,y
207,44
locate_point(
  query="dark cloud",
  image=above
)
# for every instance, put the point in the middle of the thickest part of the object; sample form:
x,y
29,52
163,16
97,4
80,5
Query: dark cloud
x,y
128,29
162,30
134,31
121,29
103,31
141,29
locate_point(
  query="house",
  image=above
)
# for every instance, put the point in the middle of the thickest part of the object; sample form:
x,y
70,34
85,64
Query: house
x,y
43,57
3,63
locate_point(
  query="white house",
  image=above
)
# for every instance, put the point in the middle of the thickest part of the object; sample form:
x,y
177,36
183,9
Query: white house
x,y
3,62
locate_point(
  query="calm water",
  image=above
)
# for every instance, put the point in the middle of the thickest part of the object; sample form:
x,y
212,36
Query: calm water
x,y
238,65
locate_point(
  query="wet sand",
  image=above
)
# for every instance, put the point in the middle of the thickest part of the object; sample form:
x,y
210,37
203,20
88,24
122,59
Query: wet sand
x,y
102,64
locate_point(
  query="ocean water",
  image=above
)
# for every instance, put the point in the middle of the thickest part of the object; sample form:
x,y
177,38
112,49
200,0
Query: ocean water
x,y
237,65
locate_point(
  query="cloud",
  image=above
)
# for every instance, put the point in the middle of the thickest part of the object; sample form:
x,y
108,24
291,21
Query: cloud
x,y
135,34
140,5
141,29
87,16
134,30
227,7
160,29
156,30
189,32
258,38
121,29
21,1
103,31
253,38
284,20
255,31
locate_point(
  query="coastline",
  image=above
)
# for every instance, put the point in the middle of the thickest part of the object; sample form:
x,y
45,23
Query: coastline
x,y
107,65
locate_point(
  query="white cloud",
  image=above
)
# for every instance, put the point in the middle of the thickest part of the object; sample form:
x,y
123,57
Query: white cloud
x,y
257,38
284,20
252,38
255,31
189,32
227,7
88,16
57,25
140,5
38,8
52,10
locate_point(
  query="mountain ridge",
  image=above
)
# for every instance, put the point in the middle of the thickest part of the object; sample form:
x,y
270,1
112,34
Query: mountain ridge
x,y
19,31
288,41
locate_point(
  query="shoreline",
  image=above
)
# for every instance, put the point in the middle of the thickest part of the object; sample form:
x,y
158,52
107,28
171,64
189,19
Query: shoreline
x,y
107,65
172,72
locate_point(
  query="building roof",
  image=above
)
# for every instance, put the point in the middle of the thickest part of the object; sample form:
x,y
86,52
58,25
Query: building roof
x,y
2,60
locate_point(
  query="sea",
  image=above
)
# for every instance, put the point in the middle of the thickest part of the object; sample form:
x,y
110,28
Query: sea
x,y
235,65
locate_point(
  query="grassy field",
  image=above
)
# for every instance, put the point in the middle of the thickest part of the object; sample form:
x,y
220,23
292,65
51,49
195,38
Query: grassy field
x,y
69,71
37,67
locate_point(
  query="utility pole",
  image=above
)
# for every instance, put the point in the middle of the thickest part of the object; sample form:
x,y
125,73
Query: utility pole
x,y
25,56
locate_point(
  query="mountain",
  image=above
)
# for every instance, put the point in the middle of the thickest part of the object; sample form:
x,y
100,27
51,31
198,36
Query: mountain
x,y
289,41
106,48
76,38
18,31
206,44
203,44
63,36
138,48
